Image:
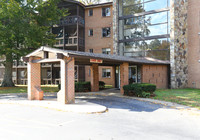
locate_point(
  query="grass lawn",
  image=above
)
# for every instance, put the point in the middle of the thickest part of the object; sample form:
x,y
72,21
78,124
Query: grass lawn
x,y
23,89
189,97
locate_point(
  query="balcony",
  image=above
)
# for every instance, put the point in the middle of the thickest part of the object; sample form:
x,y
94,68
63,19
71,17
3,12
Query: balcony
x,y
70,41
72,20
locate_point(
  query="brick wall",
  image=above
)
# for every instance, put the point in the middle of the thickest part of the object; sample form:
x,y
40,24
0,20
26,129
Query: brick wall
x,y
193,43
97,42
155,74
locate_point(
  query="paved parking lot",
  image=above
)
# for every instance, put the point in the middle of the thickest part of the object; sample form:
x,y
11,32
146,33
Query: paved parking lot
x,y
126,119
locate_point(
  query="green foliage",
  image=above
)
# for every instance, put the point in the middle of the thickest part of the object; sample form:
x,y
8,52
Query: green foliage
x,y
82,86
101,84
25,26
139,90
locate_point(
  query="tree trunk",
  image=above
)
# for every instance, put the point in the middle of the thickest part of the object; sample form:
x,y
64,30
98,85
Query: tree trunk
x,y
7,80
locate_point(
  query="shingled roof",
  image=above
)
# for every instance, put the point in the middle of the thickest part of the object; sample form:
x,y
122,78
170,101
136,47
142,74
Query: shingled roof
x,y
106,57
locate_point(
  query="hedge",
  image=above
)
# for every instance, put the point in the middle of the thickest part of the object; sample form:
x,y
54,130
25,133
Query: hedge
x,y
85,86
139,90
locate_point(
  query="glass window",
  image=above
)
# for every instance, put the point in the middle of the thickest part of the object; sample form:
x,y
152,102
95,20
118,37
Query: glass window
x,y
90,32
156,48
106,11
106,32
90,12
106,50
48,73
106,73
91,50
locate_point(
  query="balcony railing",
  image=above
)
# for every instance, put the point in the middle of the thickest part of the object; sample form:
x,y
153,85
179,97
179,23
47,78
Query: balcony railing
x,y
71,20
70,41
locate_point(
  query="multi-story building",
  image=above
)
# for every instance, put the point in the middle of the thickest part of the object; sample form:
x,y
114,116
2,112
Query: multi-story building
x,y
166,30
86,28
99,37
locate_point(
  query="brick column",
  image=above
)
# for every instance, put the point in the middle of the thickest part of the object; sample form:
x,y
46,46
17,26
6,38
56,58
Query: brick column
x,y
67,93
34,80
124,73
94,77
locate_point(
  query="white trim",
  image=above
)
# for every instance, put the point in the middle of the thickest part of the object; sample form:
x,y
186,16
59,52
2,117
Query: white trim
x,y
48,49
46,60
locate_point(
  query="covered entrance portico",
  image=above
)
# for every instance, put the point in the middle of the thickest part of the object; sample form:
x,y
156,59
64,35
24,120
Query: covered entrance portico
x,y
68,60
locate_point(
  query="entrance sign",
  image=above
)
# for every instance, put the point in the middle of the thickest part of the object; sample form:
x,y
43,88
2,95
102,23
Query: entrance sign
x,y
96,61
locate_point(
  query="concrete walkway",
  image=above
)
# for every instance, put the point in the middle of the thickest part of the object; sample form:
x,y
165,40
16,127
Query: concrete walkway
x,y
50,102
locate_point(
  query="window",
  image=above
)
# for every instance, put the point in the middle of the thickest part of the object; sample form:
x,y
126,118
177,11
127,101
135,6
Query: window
x,y
89,72
106,73
106,11
90,32
106,32
106,50
91,50
90,12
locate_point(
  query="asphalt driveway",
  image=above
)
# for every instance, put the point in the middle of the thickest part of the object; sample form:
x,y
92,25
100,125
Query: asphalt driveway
x,y
126,119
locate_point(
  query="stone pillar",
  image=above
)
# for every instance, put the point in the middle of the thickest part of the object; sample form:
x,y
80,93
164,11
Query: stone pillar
x,y
67,93
115,27
179,43
124,73
34,80
94,77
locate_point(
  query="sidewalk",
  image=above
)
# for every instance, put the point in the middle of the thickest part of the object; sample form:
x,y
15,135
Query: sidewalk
x,y
50,102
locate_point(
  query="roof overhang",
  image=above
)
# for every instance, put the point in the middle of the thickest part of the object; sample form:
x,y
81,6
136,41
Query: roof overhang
x,y
84,58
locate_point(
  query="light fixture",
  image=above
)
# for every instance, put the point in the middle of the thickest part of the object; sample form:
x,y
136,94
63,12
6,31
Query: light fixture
x,y
199,33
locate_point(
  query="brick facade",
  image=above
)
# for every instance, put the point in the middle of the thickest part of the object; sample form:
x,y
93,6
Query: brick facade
x,y
94,77
155,74
124,76
193,43
67,93
97,42
34,80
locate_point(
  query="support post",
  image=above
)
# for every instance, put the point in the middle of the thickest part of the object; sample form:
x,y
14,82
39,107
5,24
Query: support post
x,y
94,77
67,93
34,80
124,73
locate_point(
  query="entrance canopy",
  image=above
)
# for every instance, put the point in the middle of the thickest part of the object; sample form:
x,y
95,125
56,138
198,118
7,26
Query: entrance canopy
x,y
48,54
68,60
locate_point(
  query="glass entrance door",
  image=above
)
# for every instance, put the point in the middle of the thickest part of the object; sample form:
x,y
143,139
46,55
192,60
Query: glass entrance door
x,y
132,74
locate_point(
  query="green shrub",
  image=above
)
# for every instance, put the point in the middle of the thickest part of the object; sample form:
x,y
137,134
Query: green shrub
x,y
149,88
139,90
101,84
82,86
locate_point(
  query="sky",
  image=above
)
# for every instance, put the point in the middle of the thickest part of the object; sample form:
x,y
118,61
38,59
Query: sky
x,y
155,18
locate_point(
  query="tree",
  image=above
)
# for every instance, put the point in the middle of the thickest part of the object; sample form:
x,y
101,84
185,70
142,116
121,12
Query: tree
x,y
25,26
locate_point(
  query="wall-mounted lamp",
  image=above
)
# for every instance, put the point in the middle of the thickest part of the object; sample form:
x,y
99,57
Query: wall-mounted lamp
x,y
199,33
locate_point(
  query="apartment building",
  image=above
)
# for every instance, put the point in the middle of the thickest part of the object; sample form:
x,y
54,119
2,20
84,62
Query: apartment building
x,y
99,38
167,30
